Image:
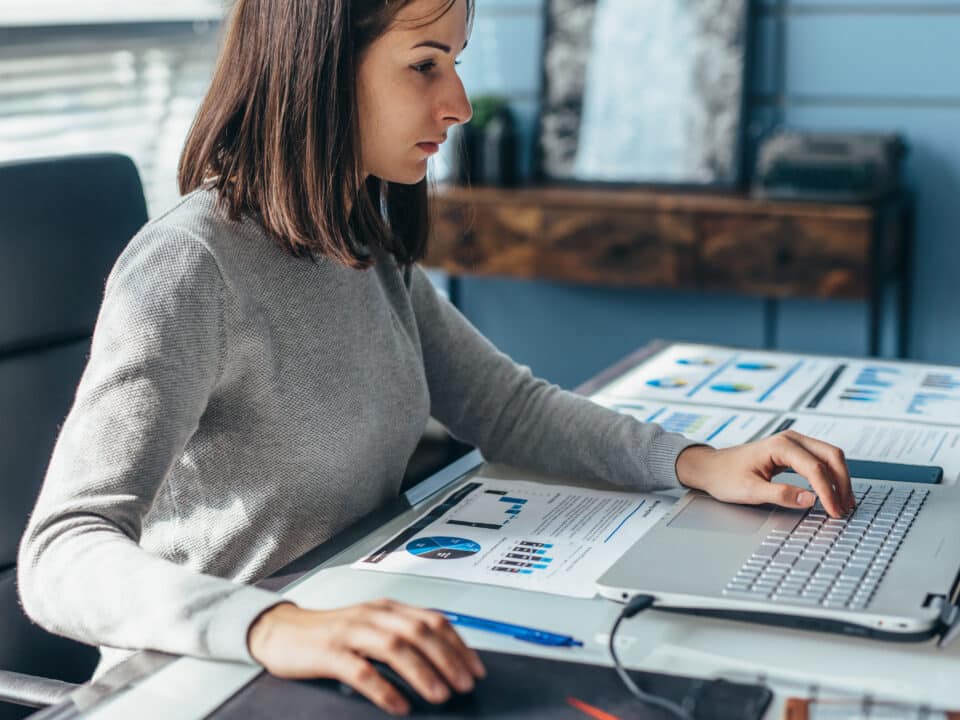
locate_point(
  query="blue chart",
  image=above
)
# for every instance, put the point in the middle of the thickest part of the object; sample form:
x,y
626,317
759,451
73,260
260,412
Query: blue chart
x,y
861,395
874,377
667,383
755,366
941,381
686,423
870,385
697,361
732,387
898,392
442,548
490,511
924,403
525,558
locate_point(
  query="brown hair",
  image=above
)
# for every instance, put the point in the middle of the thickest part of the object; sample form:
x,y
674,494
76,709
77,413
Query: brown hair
x,y
277,134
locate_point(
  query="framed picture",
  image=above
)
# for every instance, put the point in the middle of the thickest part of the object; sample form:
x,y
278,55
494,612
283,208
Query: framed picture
x,y
643,92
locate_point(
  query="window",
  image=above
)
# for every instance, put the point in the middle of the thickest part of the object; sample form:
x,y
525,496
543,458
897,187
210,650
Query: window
x,y
118,77
70,12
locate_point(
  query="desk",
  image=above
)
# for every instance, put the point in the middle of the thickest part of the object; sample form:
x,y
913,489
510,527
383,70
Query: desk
x,y
792,659
700,241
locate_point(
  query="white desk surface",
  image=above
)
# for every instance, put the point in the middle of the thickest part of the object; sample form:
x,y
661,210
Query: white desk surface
x,y
791,659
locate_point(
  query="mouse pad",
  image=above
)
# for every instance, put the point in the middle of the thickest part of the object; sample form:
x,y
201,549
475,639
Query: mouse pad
x,y
516,686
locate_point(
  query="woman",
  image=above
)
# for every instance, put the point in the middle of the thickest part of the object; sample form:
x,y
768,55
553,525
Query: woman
x,y
268,353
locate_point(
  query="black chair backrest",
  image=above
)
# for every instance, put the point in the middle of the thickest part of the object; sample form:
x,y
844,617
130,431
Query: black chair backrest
x,y
63,222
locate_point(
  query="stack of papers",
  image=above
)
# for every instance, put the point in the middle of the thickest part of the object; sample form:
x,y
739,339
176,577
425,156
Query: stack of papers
x,y
561,539
874,410
898,391
721,376
884,440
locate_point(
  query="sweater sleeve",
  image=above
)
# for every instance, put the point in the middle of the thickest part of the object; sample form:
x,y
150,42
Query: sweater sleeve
x,y
155,358
487,400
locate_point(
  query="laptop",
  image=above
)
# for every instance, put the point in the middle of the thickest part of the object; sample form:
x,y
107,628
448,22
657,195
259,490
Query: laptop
x,y
886,571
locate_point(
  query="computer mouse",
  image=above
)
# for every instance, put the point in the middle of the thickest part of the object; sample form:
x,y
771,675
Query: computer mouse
x,y
416,700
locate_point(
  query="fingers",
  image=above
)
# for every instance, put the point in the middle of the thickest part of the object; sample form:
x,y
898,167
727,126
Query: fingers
x,y
835,458
784,494
402,656
420,645
359,674
442,626
788,450
432,636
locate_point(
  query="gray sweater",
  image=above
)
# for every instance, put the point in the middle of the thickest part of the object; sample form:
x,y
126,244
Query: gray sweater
x,y
240,406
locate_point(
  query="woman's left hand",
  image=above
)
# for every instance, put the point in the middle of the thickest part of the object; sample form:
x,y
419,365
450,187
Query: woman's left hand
x,y
743,474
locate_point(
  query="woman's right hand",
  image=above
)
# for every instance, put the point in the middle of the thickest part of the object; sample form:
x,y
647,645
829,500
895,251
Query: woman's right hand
x,y
420,645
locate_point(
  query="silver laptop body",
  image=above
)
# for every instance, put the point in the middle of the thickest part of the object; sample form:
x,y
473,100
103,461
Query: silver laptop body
x,y
885,571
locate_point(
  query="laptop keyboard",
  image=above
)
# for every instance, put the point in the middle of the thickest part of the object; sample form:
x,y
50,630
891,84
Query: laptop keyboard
x,y
831,563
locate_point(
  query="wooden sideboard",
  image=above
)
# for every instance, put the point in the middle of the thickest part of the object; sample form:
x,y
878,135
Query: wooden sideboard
x,y
693,241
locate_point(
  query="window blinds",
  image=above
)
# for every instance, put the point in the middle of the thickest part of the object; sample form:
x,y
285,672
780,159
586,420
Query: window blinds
x,y
129,87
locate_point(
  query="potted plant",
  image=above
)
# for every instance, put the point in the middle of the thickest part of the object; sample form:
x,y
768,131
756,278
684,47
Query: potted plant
x,y
489,151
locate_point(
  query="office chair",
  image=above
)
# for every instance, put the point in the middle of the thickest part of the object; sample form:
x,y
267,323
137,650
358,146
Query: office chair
x,y
63,222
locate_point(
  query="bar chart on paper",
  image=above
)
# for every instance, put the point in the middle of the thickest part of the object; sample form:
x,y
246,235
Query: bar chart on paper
x,y
718,426
898,391
550,538
525,558
492,511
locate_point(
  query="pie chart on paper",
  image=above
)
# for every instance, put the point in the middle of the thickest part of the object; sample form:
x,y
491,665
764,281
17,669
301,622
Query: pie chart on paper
x,y
442,548
667,382
697,361
755,366
732,387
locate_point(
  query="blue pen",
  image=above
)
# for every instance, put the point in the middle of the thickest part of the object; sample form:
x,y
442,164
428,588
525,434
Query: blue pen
x,y
540,637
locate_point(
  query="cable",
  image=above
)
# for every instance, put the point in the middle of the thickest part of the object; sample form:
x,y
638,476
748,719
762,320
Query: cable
x,y
637,604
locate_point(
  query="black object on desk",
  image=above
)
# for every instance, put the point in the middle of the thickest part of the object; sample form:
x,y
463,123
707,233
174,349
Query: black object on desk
x,y
881,470
516,686
460,702
901,472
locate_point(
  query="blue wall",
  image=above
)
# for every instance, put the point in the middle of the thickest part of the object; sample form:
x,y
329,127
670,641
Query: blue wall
x,y
818,64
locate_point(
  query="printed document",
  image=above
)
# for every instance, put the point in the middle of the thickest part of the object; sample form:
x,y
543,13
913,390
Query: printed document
x,y
549,538
884,440
897,391
717,426
722,376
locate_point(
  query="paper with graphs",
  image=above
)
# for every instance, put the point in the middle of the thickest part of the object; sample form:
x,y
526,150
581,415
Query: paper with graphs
x,y
549,538
709,375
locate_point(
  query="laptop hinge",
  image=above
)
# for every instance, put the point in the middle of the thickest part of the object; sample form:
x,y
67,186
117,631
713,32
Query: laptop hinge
x,y
950,614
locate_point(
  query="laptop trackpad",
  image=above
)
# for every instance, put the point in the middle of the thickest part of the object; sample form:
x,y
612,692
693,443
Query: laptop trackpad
x,y
705,513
